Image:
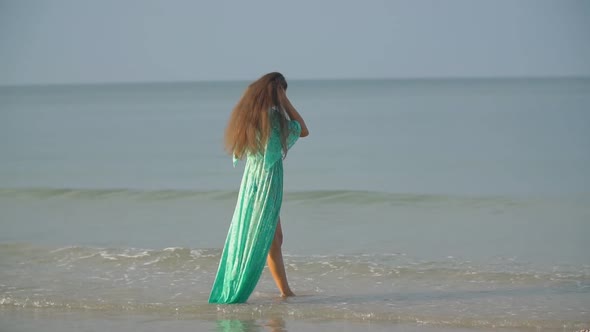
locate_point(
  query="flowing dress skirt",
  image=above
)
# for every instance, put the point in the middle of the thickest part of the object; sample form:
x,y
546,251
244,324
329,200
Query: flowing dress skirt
x,y
250,234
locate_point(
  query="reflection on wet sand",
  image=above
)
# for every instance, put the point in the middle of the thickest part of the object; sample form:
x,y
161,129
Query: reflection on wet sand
x,y
273,324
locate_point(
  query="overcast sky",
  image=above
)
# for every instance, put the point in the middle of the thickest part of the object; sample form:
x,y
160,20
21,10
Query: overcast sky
x,y
70,41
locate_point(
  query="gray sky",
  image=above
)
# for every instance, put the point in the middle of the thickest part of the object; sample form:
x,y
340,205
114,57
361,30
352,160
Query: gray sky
x,y
69,41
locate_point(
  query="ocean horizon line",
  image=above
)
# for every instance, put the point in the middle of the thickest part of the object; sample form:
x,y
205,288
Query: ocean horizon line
x,y
321,79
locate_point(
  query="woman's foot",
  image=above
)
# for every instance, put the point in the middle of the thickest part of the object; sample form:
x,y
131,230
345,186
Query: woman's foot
x,y
276,265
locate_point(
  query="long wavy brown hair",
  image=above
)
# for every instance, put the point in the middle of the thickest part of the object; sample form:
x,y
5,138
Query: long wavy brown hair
x,y
249,125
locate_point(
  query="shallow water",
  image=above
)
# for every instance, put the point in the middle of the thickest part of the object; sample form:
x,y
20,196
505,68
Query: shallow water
x,y
434,260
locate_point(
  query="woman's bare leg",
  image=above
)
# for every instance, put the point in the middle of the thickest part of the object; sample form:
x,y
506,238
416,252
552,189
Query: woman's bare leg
x,y
276,265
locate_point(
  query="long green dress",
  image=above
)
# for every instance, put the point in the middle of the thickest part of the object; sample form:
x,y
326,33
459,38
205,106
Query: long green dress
x,y
255,219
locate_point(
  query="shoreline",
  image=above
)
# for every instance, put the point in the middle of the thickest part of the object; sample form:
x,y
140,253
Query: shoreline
x,y
52,320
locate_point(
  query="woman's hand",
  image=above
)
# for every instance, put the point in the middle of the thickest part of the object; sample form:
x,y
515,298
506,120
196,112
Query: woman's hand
x,y
291,111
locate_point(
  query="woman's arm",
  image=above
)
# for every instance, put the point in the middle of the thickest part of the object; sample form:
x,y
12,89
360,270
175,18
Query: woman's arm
x,y
292,112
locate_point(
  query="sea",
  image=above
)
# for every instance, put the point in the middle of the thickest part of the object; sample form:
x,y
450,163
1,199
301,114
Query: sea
x,y
413,205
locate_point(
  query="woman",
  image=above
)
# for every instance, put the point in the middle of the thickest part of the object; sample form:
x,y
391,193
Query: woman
x,y
262,128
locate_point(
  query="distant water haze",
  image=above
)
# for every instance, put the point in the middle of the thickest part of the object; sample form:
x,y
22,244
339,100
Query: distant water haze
x,y
494,137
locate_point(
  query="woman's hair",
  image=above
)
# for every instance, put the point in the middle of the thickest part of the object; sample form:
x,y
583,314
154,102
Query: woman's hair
x,y
249,125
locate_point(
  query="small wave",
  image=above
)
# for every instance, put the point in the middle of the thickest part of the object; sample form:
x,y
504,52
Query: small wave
x,y
354,197
389,266
170,258
84,193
